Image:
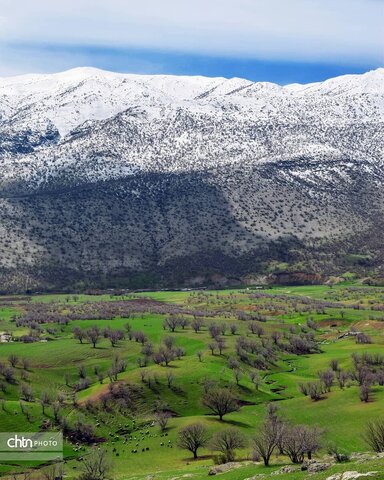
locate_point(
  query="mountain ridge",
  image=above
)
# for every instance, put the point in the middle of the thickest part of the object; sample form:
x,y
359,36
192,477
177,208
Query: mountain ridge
x,y
297,165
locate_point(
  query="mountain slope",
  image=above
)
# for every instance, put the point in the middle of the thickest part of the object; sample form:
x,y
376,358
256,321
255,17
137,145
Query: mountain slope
x,y
170,179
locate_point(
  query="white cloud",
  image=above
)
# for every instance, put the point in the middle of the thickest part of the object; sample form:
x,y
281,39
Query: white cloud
x,y
311,30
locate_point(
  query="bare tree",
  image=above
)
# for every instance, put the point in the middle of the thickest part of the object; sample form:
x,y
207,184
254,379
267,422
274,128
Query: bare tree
x,y
197,324
256,329
298,440
312,389
227,441
221,401
45,400
13,360
26,363
164,355
79,334
374,434
342,378
171,322
327,378
311,437
93,335
192,437
53,472
220,342
237,374
183,322
255,379
26,392
267,439
162,419
96,466
334,364
365,392
170,378
169,342
233,328
82,371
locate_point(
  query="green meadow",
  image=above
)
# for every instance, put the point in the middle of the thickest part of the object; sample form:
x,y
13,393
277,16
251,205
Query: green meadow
x,y
129,433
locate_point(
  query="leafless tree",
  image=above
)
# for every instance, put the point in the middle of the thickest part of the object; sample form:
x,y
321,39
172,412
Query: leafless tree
x,y
79,334
26,392
162,419
220,401
220,342
45,400
197,324
363,338
165,356
312,389
192,437
365,392
95,466
13,360
169,342
327,378
374,434
227,441
334,364
267,439
233,328
93,335
298,440
342,378
26,363
237,374
183,322
53,472
256,329
214,330
255,379
171,322
82,371
170,378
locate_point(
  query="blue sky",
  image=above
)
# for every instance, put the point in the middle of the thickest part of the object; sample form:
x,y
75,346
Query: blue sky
x,y
282,41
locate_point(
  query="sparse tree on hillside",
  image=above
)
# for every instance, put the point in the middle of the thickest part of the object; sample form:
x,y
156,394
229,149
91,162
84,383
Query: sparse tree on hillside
x,y
374,434
227,441
327,378
365,392
221,401
255,379
79,334
96,465
192,437
171,322
93,335
53,472
197,324
26,363
162,419
45,400
233,328
13,360
267,439
26,392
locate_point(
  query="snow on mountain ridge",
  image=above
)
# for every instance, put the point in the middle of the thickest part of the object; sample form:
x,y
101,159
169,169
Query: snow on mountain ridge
x,y
100,124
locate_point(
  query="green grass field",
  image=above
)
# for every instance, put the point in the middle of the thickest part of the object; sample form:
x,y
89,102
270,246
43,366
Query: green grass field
x,y
54,361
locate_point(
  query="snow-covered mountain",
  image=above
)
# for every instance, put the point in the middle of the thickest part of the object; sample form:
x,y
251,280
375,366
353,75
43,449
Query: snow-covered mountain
x,y
268,162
